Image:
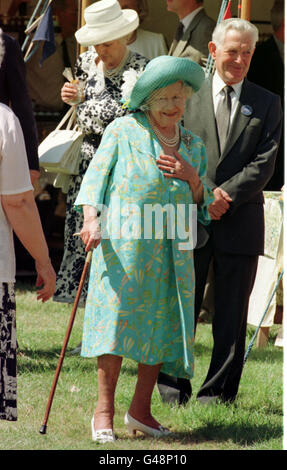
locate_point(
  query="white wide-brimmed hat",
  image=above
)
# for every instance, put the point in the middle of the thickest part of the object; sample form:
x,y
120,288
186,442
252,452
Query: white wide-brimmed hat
x,y
106,21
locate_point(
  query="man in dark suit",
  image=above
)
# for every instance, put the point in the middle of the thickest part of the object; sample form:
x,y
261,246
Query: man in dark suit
x,y
14,93
194,31
240,124
191,41
267,70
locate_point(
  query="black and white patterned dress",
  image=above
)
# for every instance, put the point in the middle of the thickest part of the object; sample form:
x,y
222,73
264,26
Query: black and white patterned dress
x,y
8,351
101,106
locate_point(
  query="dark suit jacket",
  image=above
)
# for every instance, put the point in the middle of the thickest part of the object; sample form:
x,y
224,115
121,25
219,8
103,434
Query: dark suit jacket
x,y
14,93
267,70
244,167
194,43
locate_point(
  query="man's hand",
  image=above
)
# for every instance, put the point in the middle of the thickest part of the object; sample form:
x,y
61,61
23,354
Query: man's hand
x,y
220,204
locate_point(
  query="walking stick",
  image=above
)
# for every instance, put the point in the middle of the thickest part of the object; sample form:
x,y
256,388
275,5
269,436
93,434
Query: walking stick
x,y
263,316
67,337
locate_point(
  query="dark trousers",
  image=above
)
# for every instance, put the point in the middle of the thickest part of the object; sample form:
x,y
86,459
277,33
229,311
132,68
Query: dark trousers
x,y
234,276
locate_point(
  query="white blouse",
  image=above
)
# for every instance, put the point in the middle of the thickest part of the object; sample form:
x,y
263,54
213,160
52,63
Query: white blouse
x,y
14,179
149,44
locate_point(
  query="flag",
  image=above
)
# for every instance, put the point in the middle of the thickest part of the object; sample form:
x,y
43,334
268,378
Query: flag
x,y
227,13
45,32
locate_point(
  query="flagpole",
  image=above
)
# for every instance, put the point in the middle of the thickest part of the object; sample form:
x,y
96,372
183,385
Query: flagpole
x,y
79,24
239,9
246,9
33,25
83,4
210,62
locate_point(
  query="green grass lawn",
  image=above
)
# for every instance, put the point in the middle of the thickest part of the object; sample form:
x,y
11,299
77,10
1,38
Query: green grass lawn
x,y
253,422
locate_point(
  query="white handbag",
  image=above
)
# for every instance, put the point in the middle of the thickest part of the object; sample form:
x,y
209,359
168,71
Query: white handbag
x,y
59,152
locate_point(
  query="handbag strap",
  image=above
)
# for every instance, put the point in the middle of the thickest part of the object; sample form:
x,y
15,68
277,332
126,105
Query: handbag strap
x,y
71,115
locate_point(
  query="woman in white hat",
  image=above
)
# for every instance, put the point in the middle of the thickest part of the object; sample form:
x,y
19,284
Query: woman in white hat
x,y
101,69
141,288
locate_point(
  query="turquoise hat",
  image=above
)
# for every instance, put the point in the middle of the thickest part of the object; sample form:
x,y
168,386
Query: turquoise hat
x,y
161,72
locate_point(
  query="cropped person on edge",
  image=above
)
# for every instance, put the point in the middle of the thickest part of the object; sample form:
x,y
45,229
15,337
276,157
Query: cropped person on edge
x,y
191,40
140,302
267,70
146,43
193,32
101,69
240,124
18,212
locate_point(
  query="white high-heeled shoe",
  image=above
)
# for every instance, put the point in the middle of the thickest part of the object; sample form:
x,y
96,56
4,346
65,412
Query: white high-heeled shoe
x,y
133,425
102,436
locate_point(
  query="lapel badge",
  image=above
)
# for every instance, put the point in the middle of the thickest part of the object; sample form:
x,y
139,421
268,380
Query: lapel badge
x,y
246,110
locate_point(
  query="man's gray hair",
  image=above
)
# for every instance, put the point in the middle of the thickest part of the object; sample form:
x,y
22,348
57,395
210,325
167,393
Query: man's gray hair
x,y
277,14
237,24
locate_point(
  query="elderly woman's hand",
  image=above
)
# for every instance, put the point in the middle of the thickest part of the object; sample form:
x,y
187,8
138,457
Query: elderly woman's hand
x,y
69,92
91,234
177,167
91,231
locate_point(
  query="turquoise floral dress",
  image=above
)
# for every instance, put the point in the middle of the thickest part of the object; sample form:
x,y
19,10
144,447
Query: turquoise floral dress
x,y
140,302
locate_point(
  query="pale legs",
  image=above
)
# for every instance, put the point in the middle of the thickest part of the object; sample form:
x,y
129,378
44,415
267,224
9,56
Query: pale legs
x,y
109,367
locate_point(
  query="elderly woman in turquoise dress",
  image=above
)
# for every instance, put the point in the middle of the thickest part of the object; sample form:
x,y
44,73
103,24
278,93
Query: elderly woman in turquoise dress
x,y
141,286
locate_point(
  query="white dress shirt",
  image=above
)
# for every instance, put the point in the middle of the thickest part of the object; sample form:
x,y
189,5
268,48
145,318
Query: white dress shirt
x,y
188,19
149,44
217,93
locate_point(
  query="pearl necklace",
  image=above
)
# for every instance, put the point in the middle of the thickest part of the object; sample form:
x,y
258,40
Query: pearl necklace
x,y
169,142
111,72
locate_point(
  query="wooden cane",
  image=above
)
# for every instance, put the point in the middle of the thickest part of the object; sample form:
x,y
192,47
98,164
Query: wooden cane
x,y
66,340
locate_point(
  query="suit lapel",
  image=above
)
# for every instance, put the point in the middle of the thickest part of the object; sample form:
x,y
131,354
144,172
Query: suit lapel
x,y
210,123
177,48
240,120
204,110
